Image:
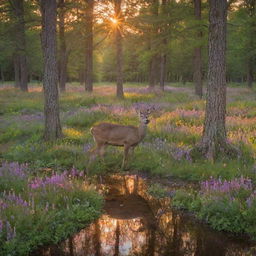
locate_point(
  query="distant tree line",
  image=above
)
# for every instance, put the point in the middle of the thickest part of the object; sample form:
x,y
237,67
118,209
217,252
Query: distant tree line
x,y
156,41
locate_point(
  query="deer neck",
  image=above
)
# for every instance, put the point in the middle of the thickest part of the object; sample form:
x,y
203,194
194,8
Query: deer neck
x,y
142,130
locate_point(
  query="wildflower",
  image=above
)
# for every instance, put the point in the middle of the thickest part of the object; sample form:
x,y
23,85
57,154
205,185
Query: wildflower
x,y
219,185
13,170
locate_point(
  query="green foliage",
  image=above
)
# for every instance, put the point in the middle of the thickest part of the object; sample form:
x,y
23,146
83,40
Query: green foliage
x,y
185,200
46,155
223,214
85,119
224,205
16,133
69,101
156,190
10,102
41,210
178,125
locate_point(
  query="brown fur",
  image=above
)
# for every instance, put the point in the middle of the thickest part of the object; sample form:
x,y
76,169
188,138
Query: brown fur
x,y
126,136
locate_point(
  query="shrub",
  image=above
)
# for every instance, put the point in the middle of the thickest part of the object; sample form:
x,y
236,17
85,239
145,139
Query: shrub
x,y
39,210
225,205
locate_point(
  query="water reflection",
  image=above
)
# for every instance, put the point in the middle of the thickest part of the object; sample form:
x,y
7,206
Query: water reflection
x,y
136,224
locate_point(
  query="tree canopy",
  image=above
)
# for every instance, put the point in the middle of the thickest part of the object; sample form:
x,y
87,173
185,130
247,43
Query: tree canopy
x,y
150,29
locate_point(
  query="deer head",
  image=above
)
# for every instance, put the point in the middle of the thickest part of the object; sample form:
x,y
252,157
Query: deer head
x,y
144,111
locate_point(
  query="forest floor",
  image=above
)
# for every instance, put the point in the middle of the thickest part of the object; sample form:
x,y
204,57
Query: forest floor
x,y
175,127
164,155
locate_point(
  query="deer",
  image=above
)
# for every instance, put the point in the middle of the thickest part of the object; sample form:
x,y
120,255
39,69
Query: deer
x,y
127,136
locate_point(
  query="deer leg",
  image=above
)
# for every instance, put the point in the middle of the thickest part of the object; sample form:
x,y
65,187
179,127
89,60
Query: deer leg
x,y
93,154
126,151
131,151
102,151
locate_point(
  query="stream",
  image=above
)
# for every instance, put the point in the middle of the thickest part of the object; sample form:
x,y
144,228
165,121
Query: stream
x,y
135,223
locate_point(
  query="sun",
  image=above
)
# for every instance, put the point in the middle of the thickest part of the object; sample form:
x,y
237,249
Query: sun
x,y
114,21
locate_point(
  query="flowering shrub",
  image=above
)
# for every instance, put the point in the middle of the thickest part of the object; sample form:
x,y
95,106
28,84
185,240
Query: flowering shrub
x,y
225,205
40,209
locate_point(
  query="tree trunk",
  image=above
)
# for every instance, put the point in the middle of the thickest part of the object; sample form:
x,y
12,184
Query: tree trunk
x,y
214,140
197,77
154,58
63,49
152,73
20,62
163,55
89,46
251,10
16,61
119,50
50,79
81,75
23,73
162,71
250,73
2,74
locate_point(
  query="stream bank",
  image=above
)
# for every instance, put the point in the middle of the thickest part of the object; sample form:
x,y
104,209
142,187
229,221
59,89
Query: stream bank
x,y
135,223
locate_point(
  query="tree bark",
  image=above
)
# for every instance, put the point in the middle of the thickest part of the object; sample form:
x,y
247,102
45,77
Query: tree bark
x,y
23,73
16,62
63,48
163,57
81,75
152,73
119,50
20,62
154,58
162,71
214,140
197,77
50,78
2,74
89,46
250,73
251,10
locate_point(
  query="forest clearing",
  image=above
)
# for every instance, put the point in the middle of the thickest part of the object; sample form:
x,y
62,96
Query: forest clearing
x,y
127,127
174,128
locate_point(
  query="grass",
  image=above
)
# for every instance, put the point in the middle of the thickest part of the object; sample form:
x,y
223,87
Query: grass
x,y
225,205
175,127
38,209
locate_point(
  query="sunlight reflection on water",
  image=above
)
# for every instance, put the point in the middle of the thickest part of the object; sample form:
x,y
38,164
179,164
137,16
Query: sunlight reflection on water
x,y
135,223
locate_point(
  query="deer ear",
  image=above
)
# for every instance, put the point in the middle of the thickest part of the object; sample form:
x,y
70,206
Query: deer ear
x,y
153,109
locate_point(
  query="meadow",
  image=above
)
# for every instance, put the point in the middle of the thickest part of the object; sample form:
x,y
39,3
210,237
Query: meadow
x,y
175,127
227,185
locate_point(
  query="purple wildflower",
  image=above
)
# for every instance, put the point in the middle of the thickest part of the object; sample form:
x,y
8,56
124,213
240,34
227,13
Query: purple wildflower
x,y
251,199
10,232
13,169
15,199
177,152
224,186
3,205
56,179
